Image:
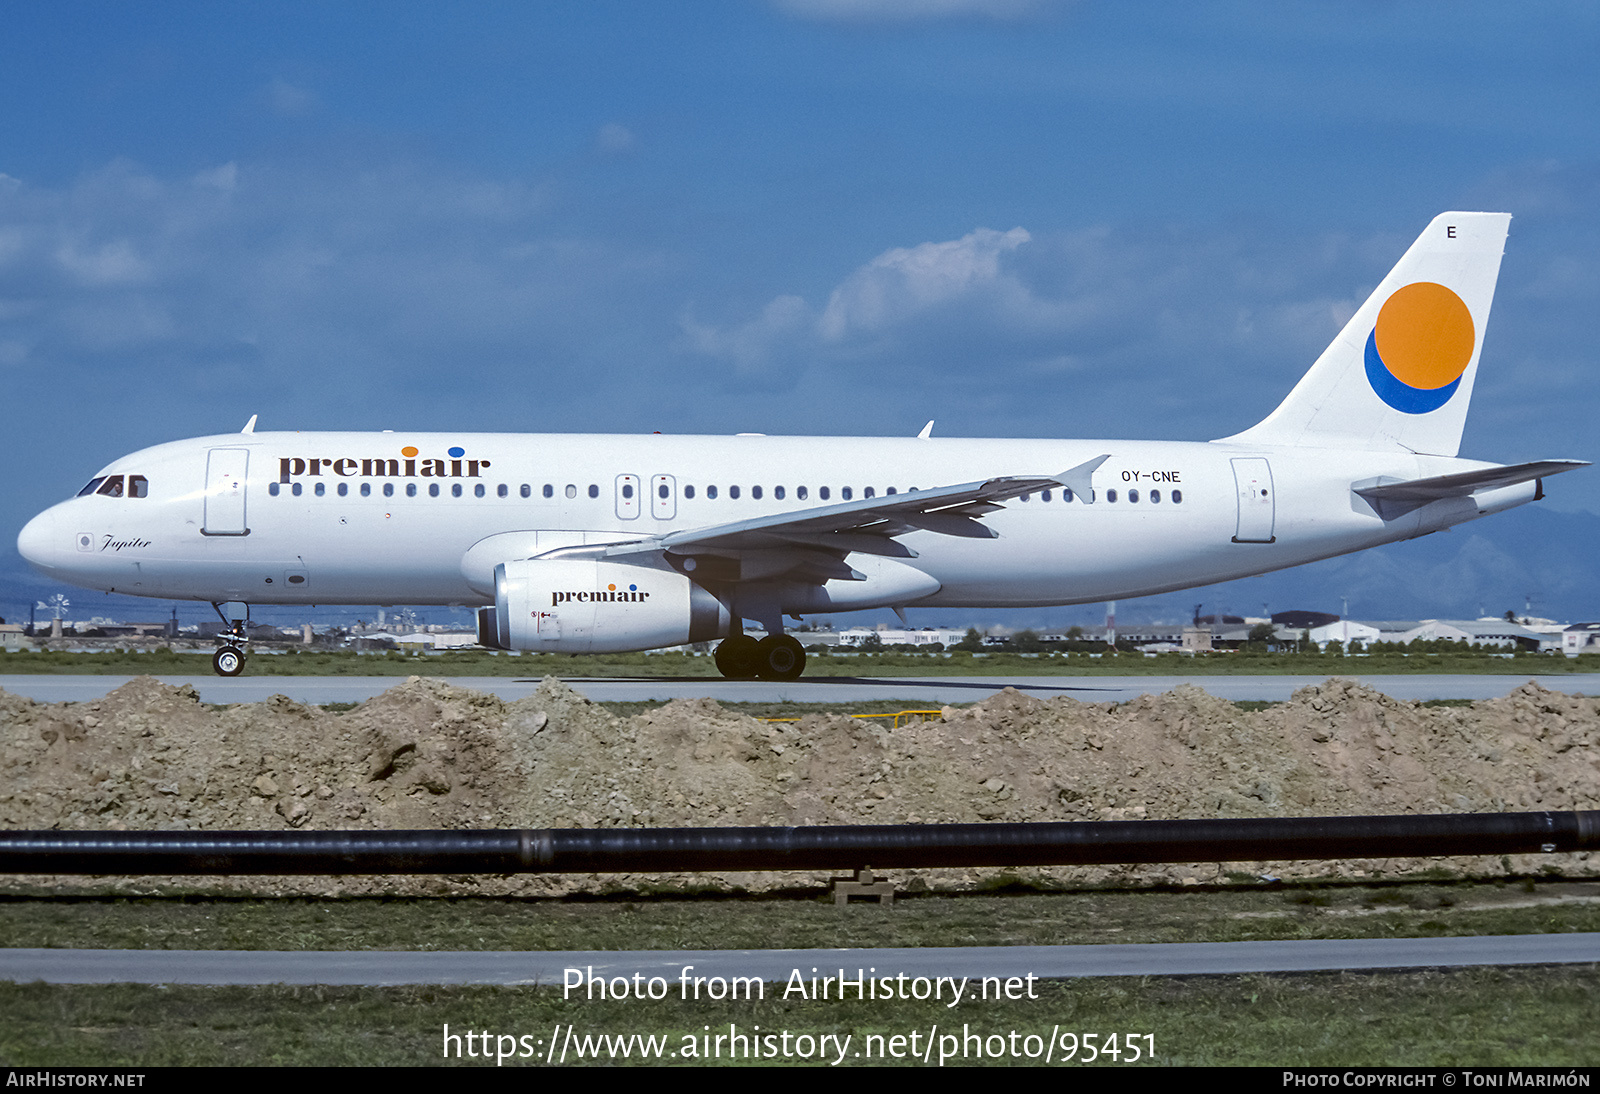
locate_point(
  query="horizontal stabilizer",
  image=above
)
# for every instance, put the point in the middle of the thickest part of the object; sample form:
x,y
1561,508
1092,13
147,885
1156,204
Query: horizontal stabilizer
x,y
1393,499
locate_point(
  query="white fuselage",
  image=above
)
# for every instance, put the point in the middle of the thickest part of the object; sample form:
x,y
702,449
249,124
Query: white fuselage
x,y
330,518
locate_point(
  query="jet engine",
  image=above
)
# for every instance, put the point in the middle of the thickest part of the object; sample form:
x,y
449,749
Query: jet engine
x,y
596,606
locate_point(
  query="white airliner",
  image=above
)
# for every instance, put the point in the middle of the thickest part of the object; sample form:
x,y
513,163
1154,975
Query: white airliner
x,y
589,543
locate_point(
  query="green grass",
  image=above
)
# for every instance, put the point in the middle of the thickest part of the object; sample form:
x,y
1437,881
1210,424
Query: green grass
x,y
1477,1017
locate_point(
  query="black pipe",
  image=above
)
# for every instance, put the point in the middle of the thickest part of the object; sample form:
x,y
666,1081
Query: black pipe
x,y
666,850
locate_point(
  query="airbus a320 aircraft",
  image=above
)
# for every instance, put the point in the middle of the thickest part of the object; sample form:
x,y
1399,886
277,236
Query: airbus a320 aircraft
x,y
595,544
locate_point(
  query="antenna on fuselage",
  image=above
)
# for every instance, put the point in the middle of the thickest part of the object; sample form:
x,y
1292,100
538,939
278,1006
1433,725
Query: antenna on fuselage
x,y
250,426
927,431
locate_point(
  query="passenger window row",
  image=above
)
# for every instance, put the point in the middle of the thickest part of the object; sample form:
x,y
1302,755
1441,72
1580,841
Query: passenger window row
x,y
801,493
1154,496
137,487
503,490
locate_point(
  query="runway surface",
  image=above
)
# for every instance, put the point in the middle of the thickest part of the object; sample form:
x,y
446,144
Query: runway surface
x,y
509,967
318,690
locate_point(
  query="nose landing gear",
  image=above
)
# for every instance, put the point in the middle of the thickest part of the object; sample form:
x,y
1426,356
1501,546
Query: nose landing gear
x,y
228,661
229,658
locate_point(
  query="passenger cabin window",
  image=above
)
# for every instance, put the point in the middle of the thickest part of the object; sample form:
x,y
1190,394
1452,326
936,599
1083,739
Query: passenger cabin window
x,y
477,491
1155,496
272,488
755,492
572,491
711,492
594,491
1111,495
823,493
502,490
688,491
411,489
344,489
1177,497
845,493
366,489
733,491
320,490
549,490
1133,496
388,489
800,492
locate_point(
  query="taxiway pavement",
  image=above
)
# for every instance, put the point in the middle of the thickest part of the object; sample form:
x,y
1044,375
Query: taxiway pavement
x,y
513,967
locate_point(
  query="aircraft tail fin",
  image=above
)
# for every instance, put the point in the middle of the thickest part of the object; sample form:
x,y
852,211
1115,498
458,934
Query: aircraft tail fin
x,y
1400,374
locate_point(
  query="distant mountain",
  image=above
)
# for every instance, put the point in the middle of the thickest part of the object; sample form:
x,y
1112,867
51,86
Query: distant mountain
x,y
1482,568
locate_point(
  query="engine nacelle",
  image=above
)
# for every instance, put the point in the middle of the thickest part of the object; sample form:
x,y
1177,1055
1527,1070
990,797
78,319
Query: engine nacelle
x,y
597,606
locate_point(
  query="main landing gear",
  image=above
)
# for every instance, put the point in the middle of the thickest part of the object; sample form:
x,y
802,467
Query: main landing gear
x,y
775,657
229,658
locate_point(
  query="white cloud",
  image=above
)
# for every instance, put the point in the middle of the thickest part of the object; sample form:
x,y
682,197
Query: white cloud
x,y
225,177
786,319
904,281
329,278
103,264
289,99
615,139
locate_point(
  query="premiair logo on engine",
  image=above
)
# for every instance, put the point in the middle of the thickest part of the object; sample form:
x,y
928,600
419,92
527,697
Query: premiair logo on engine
x,y
408,466
609,595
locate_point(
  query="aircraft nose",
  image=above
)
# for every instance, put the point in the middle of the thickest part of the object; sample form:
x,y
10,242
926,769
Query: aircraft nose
x,y
37,541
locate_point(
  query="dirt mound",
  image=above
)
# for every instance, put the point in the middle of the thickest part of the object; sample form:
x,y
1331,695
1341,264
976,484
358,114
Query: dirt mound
x,y
428,755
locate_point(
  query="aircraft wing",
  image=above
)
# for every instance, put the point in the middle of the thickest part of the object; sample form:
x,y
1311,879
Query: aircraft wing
x,y
818,538
1398,498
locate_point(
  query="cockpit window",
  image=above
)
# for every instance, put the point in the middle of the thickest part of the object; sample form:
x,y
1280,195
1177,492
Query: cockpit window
x,y
112,487
94,484
138,486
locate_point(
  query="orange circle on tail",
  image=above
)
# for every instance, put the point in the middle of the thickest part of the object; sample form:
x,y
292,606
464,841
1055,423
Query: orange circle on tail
x,y
1424,335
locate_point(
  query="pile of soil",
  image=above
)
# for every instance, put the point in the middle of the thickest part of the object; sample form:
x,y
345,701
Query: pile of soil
x,y
424,754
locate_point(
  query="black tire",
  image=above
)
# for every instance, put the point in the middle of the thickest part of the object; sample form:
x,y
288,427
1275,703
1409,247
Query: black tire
x,y
227,661
780,657
738,657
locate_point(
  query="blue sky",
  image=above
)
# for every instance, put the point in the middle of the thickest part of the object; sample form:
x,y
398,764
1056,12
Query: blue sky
x,y
1016,217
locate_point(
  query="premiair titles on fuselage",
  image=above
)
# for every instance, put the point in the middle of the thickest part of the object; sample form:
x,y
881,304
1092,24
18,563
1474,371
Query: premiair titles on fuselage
x,y
601,543
405,467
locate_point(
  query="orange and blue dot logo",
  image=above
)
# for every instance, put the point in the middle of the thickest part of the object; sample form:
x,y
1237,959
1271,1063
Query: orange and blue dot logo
x,y
1419,347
